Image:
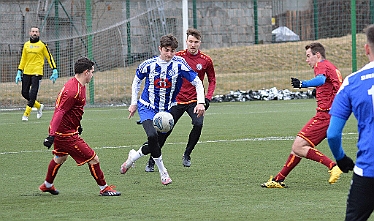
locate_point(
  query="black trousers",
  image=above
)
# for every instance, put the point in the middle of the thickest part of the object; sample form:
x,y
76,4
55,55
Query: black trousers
x,y
197,122
360,202
30,88
177,112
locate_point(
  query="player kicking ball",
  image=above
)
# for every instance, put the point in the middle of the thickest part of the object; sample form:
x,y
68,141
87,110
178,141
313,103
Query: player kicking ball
x,y
163,76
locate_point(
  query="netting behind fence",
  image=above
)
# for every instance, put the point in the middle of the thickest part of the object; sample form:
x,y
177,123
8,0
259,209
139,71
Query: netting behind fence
x,y
118,35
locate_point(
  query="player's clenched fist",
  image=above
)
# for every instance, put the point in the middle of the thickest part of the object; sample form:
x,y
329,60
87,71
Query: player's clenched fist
x,y
49,141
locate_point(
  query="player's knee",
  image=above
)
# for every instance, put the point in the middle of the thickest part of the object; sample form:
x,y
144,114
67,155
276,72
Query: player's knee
x,y
25,95
153,137
60,159
197,123
95,160
197,127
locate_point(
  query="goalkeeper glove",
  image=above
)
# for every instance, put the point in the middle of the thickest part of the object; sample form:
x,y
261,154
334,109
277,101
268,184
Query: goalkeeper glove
x,y
296,83
54,75
18,76
345,164
314,92
80,129
207,103
49,141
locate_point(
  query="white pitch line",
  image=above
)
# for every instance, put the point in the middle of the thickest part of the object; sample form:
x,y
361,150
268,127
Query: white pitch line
x,y
201,142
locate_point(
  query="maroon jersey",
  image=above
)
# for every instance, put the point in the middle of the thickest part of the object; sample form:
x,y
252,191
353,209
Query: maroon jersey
x,y
69,109
201,64
327,91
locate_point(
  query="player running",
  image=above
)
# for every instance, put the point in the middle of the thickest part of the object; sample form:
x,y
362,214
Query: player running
x,y
163,79
327,81
65,128
187,98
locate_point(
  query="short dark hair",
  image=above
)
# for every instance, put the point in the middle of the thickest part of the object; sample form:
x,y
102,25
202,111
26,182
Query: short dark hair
x,y
369,31
34,26
83,64
316,47
193,32
168,40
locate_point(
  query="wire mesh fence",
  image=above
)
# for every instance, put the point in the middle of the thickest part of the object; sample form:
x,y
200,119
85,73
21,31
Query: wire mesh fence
x,y
118,35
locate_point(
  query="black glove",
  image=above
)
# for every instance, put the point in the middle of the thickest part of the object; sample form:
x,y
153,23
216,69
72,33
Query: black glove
x,y
296,83
314,92
207,103
49,141
80,130
345,164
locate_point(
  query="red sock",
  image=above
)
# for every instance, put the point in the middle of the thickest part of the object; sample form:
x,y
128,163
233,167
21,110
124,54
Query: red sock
x,y
97,174
315,155
291,163
52,171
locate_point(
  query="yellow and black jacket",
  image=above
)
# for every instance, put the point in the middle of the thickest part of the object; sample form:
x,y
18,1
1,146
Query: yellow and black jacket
x,y
32,60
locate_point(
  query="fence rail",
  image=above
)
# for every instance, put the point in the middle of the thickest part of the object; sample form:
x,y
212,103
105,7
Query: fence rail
x,y
118,35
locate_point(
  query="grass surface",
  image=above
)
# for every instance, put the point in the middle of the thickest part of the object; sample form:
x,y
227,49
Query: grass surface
x,y
241,146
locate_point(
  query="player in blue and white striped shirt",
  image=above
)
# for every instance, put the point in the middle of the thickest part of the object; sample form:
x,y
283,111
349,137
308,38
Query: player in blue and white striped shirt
x,y
163,79
356,95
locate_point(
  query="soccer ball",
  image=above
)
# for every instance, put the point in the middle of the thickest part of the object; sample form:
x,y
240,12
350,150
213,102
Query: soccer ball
x,y
163,122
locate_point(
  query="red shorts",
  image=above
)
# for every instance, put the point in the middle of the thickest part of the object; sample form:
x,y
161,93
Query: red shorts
x,y
74,146
314,131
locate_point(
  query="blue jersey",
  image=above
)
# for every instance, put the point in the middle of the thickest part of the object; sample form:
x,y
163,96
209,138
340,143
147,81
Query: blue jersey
x,y
163,81
357,95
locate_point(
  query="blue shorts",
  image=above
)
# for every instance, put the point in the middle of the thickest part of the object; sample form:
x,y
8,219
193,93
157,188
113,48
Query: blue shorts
x,y
145,112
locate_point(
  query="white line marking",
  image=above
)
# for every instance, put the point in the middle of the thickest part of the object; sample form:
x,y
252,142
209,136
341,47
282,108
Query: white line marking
x,y
201,142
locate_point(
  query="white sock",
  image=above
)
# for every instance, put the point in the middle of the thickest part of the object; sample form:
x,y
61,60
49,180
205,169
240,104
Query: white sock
x,y
160,164
48,185
103,187
138,154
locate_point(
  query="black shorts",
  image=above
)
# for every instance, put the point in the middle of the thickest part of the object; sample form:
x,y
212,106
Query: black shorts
x,y
360,202
178,111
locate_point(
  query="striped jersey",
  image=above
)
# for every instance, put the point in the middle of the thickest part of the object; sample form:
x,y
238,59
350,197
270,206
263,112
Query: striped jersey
x,y
357,95
163,81
32,59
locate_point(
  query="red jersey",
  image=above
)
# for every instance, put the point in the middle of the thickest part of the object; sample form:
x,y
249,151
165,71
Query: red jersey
x,y
68,109
327,91
202,64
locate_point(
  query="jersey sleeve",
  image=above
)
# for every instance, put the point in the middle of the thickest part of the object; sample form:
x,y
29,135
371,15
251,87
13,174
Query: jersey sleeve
x,y
334,137
341,106
49,57
135,88
22,63
194,79
211,74
199,90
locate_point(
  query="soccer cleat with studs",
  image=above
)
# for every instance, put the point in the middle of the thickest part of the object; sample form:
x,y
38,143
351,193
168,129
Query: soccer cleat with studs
x,y
109,191
271,183
165,178
128,163
335,173
186,161
150,167
39,113
52,190
25,118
